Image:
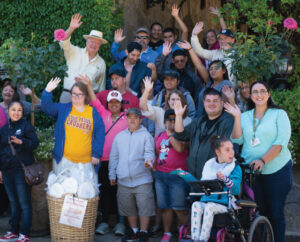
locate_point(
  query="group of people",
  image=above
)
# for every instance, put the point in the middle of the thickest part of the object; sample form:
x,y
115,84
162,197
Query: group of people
x,y
152,116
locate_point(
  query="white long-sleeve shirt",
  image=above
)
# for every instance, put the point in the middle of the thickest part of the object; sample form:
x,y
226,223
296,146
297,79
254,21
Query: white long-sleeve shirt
x,y
212,55
78,63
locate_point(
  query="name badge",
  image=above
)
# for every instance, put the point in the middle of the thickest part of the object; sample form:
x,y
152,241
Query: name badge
x,y
255,142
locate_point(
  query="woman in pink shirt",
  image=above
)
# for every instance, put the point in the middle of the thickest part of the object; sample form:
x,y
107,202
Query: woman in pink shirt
x,y
114,121
171,190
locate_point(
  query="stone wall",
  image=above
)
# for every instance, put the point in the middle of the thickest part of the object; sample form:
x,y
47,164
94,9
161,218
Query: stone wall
x,y
137,15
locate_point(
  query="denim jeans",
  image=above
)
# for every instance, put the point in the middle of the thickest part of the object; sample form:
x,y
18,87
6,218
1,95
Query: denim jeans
x,y
19,195
270,193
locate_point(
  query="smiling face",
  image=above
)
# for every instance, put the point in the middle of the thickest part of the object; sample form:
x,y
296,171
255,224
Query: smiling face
x,y
134,122
260,95
114,106
225,153
156,32
173,99
170,83
92,46
15,112
180,61
169,37
7,93
216,71
211,38
143,39
225,41
133,56
213,105
245,90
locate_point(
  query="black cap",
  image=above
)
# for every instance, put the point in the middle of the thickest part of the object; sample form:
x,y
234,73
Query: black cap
x,y
171,73
169,114
226,32
116,69
135,111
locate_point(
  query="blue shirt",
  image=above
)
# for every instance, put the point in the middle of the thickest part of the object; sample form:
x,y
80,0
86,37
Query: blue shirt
x,y
139,71
148,56
273,129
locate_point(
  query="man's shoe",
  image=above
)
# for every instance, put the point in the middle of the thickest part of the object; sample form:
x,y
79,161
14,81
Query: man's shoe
x,y
130,237
23,238
102,228
143,236
120,229
9,237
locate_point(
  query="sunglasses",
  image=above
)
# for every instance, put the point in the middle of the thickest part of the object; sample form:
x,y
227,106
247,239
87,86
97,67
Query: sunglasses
x,y
141,37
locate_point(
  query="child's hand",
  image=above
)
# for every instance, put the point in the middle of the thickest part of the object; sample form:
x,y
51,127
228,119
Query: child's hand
x,y
148,163
220,175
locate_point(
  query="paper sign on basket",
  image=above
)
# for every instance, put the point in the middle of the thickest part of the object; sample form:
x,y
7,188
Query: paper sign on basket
x,y
73,211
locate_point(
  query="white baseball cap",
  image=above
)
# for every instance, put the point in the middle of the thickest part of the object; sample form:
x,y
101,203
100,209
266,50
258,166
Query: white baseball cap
x,y
114,95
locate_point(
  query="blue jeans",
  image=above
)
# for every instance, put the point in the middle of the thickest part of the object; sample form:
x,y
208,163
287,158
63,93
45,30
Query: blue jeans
x,y
19,195
270,193
171,191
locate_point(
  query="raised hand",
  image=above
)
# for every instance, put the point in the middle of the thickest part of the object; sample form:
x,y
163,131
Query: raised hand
x,y
178,109
175,10
26,91
151,66
184,45
75,21
233,110
198,28
148,83
52,84
214,11
119,37
148,163
84,79
15,140
229,93
166,48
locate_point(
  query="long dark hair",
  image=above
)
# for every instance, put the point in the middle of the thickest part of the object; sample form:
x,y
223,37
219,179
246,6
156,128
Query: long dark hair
x,y
270,103
204,42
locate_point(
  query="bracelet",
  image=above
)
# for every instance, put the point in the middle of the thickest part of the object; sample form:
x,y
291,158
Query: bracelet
x,y
263,161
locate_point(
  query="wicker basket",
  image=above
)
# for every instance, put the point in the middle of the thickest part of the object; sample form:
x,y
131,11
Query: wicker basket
x,y
62,232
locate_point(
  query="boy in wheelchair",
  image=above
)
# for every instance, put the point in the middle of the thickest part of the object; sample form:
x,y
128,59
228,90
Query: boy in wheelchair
x,y
223,168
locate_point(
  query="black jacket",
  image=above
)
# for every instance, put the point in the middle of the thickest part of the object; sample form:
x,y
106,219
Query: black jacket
x,y
199,136
24,131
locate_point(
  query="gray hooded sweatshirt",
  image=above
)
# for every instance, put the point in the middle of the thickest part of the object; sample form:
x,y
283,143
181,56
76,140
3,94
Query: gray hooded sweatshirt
x,y
128,154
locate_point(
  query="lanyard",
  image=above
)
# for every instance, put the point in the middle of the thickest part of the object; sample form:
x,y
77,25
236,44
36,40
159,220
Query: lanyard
x,y
255,127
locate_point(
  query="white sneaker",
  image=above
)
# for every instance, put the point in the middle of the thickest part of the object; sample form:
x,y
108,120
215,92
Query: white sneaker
x,y
120,229
102,229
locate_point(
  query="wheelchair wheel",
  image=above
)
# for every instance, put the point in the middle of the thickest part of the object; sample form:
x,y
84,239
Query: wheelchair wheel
x,y
260,230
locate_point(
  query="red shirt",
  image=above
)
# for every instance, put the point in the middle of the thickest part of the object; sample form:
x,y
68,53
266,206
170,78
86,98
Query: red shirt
x,y
128,100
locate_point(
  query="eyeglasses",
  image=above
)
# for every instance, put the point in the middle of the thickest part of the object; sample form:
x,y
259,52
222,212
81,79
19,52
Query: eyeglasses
x,y
256,92
170,119
79,95
141,37
179,61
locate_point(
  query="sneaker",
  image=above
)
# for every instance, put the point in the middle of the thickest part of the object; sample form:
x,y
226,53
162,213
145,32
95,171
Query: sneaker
x,y
130,237
143,236
102,228
166,238
9,237
23,238
120,229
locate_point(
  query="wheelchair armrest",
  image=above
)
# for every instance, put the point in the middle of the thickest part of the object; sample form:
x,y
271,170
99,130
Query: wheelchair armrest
x,y
246,203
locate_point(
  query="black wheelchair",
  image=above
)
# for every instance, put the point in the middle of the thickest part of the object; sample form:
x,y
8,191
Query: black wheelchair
x,y
242,224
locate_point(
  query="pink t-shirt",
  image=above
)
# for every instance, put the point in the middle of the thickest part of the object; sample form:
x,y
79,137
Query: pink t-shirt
x,y
129,100
168,158
118,127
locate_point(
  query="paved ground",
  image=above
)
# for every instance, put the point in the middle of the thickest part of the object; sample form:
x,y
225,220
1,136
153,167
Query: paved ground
x,y
292,216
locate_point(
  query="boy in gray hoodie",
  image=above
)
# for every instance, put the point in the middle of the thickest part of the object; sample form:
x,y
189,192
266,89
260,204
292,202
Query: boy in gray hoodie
x,y
131,158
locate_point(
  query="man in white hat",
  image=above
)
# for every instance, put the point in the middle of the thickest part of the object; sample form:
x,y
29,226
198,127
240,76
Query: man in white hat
x,y
83,61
